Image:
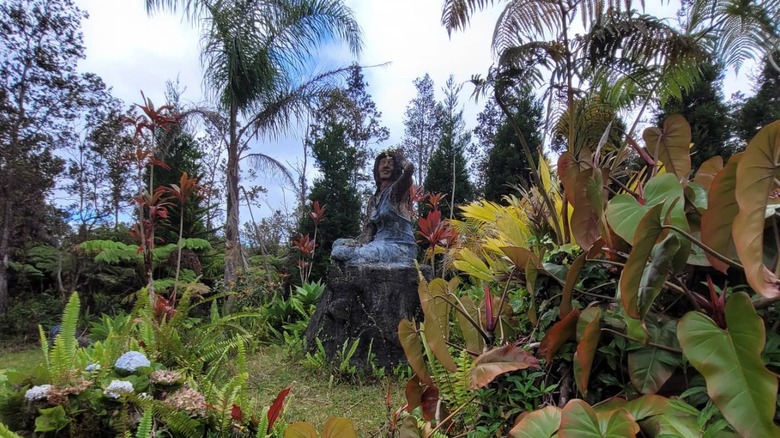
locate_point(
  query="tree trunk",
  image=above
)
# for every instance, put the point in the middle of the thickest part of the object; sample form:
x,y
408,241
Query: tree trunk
x,y
231,224
5,238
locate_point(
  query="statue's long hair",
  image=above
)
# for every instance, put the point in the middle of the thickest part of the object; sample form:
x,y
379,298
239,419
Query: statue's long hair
x,y
396,167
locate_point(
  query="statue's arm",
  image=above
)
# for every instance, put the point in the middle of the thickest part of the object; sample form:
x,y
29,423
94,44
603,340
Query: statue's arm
x,y
401,187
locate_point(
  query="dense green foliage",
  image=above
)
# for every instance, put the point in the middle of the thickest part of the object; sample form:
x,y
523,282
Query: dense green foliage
x,y
764,106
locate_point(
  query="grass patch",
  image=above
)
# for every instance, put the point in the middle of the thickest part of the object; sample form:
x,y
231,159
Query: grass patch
x,y
26,358
316,395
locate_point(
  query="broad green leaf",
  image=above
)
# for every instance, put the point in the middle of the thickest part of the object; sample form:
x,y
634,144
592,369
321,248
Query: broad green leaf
x,y
639,408
649,228
578,420
493,363
655,274
541,423
571,280
474,341
722,208
413,349
672,423
671,145
624,212
409,428
697,195
584,221
51,419
339,428
472,265
586,348
558,334
757,172
436,313
730,360
649,367
707,171
300,430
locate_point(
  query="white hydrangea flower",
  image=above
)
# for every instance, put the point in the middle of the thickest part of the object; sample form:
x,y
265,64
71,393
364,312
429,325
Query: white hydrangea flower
x,y
92,367
117,388
131,361
37,392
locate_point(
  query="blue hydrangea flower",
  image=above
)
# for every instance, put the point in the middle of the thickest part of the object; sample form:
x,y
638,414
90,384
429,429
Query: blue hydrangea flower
x,y
92,367
118,387
37,392
131,361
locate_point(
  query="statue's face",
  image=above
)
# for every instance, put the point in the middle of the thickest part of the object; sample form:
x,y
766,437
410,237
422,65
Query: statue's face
x,y
386,167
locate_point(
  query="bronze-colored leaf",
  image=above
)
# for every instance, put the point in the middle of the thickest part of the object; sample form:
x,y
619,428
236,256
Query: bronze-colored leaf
x,y
587,346
584,221
471,336
569,169
722,208
339,428
520,256
671,145
707,171
301,430
413,349
571,280
429,402
558,334
414,390
757,173
493,363
436,311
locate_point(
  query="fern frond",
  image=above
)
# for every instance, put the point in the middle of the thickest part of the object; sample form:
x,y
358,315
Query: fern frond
x,y
65,344
145,426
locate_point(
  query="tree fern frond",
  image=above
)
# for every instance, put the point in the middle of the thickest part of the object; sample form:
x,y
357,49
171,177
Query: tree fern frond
x,y
525,19
456,14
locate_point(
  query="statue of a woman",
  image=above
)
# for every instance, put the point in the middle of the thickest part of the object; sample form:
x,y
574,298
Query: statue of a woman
x,y
387,236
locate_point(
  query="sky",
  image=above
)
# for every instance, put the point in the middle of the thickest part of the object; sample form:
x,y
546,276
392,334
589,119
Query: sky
x,y
133,51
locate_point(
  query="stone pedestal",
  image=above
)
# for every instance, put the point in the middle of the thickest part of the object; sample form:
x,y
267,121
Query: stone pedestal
x,y
365,302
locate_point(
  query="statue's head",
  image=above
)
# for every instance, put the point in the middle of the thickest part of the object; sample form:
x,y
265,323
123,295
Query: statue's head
x,y
394,154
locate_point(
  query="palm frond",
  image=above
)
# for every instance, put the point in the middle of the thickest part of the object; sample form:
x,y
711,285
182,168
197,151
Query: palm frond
x,y
271,166
456,14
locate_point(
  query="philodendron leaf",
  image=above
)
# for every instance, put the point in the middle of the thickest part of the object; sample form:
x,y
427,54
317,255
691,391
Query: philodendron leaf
x,y
413,349
436,311
655,274
578,420
722,207
649,228
470,332
588,333
571,280
339,428
738,383
624,211
558,334
493,363
584,220
541,423
650,367
409,428
671,145
300,430
757,173
708,170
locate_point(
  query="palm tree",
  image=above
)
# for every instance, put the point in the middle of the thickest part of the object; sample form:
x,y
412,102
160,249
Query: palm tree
x,y
254,52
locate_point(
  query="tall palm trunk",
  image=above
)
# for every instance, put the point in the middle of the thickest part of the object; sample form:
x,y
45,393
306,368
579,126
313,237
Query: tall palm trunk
x,y
232,252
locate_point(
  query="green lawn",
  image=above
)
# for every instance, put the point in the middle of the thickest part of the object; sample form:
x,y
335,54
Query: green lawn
x,y
314,397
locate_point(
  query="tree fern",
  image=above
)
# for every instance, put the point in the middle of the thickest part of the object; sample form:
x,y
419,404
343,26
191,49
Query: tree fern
x,y
63,354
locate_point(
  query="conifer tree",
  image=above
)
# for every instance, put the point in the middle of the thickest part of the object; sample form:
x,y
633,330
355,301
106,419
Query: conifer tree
x,y
447,172
421,130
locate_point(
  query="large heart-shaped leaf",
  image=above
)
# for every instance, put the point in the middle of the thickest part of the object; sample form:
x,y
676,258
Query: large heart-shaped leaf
x,y
436,311
649,228
569,169
471,336
655,274
671,423
409,428
558,334
339,428
578,420
671,144
414,391
541,423
650,367
640,408
493,363
624,212
429,401
571,280
757,173
722,208
301,430
707,171
738,383
584,220
413,349
588,333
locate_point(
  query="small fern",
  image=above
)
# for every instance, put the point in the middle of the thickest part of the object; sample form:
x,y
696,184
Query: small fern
x,y
145,426
63,354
